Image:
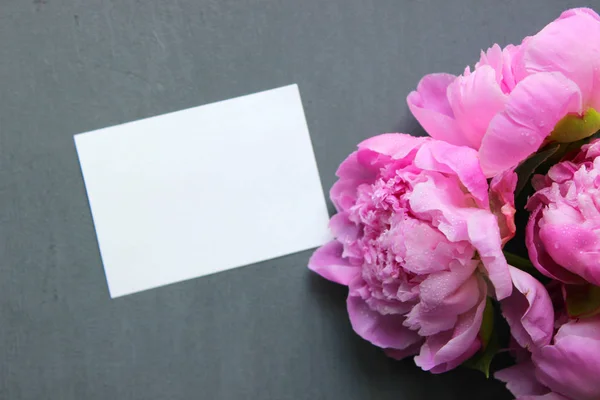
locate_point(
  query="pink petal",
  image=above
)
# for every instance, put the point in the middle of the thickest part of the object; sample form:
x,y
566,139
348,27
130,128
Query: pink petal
x,y
493,58
501,60
570,45
425,249
343,194
575,247
352,173
570,367
343,229
547,396
408,352
352,168
521,381
584,327
538,254
461,161
484,235
533,108
429,104
446,350
441,201
395,145
347,233
580,11
508,78
475,100
502,203
529,311
444,296
327,261
385,331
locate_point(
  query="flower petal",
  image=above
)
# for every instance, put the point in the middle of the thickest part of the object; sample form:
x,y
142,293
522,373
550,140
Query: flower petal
x,y
446,350
529,311
407,352
484,235
455,160
429,104
570,45
537,250
575,247
533,108
327,261
570,366
475,99
443,297
425,250
352,173
395,145
347,233
385,331
521,381
502,203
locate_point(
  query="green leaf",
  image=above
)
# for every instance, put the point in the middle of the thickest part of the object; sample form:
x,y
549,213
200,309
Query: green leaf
x,y
528,167
490,344
523,264
518,261
583,301
575,127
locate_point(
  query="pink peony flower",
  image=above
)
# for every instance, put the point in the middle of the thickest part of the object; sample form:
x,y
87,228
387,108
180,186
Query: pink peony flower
x,y
563,233
560,366
415,242
519,97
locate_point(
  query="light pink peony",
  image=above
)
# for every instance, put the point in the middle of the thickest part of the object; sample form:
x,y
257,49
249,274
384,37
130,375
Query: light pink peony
x,y
560,366
515,98
563,233
415,243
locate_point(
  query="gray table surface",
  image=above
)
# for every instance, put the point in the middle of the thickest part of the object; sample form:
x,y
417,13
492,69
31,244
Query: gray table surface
x,y
267,331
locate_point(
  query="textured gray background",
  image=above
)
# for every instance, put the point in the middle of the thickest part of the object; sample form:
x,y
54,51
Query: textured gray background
x,y
268,331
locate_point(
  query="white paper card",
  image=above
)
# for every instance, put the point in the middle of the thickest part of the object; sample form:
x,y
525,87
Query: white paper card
x,y
203,190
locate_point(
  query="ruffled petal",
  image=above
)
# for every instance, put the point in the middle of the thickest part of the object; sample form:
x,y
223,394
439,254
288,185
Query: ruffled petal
x,y
529,311
461,161
484,235
395,145
385,331
352,173
570,367
533,108
443,297
328,262
475,99
429,104
446,350
521,381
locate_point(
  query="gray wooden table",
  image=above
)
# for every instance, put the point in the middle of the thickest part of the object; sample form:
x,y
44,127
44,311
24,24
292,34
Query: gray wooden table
x,y
267,331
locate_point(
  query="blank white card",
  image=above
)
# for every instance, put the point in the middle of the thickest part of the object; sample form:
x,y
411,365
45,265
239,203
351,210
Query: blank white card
x,y
203,190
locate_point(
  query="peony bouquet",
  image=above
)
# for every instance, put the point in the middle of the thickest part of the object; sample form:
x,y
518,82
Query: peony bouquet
x,y
426,237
